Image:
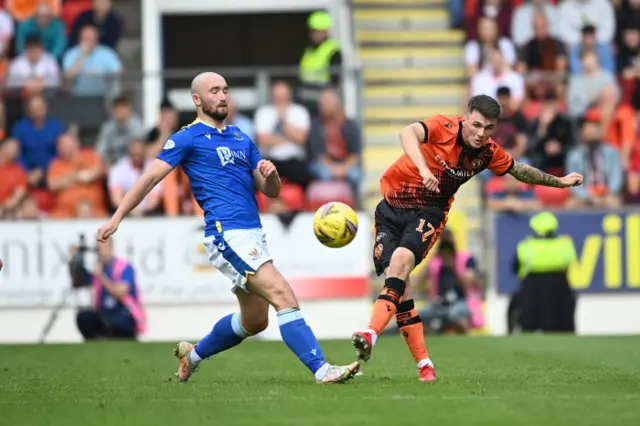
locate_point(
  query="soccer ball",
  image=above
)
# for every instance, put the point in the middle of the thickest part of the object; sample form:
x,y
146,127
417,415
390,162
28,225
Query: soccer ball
x,y
335,224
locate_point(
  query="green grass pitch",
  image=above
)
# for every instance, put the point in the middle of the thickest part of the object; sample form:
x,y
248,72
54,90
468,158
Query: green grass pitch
x,y
523,380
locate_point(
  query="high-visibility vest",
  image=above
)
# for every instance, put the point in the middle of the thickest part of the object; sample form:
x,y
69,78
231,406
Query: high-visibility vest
x,y
315,64
544,255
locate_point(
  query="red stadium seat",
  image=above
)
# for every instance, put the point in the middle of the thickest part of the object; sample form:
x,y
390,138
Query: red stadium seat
x,y
321,192
552,197
494,185
71,10
44,198
291,195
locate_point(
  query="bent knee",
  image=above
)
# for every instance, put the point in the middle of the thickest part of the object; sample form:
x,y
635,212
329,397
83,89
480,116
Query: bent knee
x,y
255,325
402,263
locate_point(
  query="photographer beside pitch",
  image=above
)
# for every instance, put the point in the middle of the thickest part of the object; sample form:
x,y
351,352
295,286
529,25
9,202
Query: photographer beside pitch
x,y
118,312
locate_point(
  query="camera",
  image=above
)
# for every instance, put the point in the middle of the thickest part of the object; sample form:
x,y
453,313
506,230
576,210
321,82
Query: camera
x,y
80,276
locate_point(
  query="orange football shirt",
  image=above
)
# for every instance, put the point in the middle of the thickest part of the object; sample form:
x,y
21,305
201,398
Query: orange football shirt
x,y
449,159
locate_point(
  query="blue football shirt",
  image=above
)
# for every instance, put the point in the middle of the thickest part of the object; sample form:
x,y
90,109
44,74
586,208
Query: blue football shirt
x,y
220,165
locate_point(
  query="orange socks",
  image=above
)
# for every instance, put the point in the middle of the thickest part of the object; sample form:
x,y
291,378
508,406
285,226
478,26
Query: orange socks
x,y
411,328
387,303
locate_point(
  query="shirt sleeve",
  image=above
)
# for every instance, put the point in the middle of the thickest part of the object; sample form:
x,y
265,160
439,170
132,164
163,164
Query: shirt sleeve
x,y
501,162
176,149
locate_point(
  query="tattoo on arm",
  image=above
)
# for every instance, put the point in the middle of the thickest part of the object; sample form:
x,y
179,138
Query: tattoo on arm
x,y
531,175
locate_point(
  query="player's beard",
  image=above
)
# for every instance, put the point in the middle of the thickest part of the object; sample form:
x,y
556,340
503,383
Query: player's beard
x,y
214,113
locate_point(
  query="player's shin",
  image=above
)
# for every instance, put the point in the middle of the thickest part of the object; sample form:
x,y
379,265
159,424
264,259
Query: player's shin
x,y
411,328
387,303
226,333
299,337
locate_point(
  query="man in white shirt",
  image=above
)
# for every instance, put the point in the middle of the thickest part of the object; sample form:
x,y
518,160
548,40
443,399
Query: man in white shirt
x,y
575,14
124,174
499,74
34,70
281,134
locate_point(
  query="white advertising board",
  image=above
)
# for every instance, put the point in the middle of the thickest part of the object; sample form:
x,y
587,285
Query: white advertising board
x,y
169,260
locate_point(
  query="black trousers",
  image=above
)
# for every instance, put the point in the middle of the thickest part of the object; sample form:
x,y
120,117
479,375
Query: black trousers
x,y
94,325
295,171
548,304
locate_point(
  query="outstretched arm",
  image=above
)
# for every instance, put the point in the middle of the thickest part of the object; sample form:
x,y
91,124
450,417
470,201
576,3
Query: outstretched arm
x,y
531,175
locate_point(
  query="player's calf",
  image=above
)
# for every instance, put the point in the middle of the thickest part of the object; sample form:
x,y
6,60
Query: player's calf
x,y
296,334
412,331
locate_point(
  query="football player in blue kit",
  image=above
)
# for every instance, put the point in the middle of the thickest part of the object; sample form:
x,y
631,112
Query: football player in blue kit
x,y
224,166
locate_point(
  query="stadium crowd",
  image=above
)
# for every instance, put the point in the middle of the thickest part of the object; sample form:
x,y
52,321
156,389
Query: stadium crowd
x,y
54,49
567,73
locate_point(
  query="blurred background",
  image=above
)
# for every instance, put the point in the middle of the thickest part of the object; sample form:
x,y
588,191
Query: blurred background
x,y
93,89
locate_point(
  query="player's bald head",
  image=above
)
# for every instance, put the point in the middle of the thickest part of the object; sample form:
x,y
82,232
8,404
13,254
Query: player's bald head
x,y
205,81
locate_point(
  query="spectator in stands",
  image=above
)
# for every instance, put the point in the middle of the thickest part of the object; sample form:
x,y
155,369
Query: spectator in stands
x,y
167,125
594,86
281,132
629,51
237,119
320,55
90,66
627,15
511,130
29,209
37,134
13,184
499,74
76,176
335,142
506,194
551,136
622,132
35,70
543,52
7,29
601,166
633,176
477,52
590,42
21,10
498,10
575,14
123,175
48,27
522,30
102,17
115,134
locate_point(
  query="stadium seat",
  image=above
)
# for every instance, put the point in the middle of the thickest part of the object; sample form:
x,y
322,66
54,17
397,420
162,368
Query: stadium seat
x,y
44,198
291,195
71,10
494,185
552,196
321,192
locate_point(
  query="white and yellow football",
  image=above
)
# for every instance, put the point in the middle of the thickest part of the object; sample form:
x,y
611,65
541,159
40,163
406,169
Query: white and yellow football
x,y
335,224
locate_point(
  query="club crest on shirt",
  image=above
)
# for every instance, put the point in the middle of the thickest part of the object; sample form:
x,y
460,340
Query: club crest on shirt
x,y
477,163
237,135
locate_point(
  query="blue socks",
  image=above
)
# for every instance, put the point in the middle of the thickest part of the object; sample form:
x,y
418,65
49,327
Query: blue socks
x,y
226,333
299,337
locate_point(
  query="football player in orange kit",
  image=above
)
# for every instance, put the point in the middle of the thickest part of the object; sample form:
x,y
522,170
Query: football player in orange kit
x,y
440,154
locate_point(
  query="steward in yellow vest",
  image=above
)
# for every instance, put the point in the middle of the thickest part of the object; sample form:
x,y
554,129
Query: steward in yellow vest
x,y
322,53
542,262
